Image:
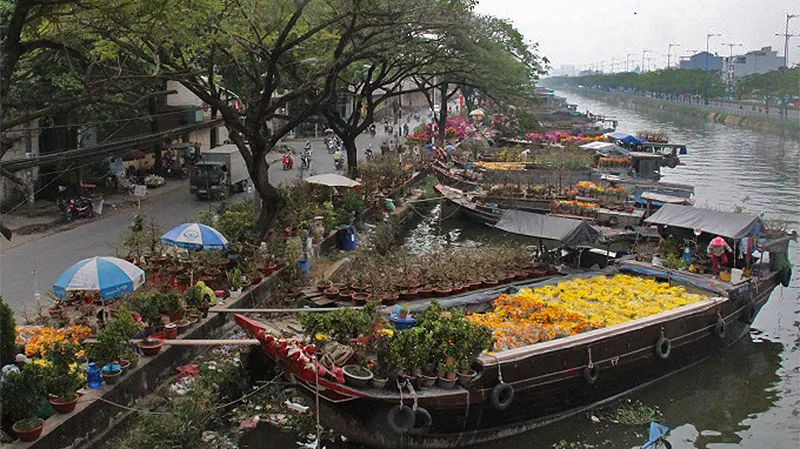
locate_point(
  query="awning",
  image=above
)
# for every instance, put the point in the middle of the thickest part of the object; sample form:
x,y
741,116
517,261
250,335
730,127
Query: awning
x,y
331,180
726,224
567,231
627,138
666,199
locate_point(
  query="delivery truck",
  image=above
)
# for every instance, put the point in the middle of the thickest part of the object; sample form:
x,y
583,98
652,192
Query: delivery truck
x,y
220,172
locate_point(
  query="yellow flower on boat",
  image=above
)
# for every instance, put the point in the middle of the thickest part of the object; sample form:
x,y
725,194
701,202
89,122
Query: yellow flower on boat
x,y
576,306
319,336
386,332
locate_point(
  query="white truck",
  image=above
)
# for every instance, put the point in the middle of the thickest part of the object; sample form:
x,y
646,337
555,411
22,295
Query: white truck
x,y
220,172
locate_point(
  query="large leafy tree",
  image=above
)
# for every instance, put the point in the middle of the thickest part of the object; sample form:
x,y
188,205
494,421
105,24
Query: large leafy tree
x,y
485,58
281,59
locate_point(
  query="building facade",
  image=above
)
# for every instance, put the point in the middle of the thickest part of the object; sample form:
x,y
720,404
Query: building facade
x,y
756,61
698,61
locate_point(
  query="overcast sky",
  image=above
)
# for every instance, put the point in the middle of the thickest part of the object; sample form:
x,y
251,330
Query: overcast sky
x,y
584,32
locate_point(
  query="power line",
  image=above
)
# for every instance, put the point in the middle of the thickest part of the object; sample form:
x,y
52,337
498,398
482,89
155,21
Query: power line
x,y
75,125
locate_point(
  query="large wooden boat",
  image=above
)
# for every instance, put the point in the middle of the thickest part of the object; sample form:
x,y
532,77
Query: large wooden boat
x,y
525,388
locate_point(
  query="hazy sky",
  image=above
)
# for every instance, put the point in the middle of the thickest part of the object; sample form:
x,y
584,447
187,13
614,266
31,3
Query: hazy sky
x,y
583,32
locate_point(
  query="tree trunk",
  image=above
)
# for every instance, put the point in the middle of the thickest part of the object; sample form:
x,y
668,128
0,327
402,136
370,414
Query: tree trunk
x,y
349,142
442,122
271,200
151,110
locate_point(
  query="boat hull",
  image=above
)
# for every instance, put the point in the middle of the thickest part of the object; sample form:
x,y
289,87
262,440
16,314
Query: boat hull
x,y
549,379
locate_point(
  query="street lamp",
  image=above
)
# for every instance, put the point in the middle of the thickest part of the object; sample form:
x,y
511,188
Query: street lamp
x,y
786,35
642,68
731,67
627,60
786,45
669,52
705,78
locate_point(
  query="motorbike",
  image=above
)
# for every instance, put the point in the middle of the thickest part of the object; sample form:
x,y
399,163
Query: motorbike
x,y
78,207
288,162
305,162
338,163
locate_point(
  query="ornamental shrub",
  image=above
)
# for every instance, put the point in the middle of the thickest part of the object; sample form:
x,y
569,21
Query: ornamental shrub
x,y
8,334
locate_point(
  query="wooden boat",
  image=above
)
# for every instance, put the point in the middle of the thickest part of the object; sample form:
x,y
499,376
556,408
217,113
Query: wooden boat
x,y
525,388
479,214
449,178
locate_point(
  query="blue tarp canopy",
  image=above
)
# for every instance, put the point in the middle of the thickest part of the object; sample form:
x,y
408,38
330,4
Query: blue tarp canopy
x,y
627,138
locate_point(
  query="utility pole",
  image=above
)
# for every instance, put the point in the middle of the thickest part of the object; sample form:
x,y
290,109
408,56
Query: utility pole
x,y
786,36
669,53
628,60
730,69
642,68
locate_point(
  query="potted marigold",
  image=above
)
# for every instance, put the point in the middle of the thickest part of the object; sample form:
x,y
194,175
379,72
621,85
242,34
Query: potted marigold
x,y
21,394
64,376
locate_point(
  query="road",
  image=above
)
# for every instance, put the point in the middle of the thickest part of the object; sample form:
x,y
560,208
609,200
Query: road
x,y
51,255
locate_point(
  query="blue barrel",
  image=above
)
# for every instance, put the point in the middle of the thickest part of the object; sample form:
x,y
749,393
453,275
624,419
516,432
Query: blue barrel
x,y
402,323
349,241
303,265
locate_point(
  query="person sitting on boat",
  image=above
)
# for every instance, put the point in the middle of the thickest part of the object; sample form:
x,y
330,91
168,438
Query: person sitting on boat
x,y
717,250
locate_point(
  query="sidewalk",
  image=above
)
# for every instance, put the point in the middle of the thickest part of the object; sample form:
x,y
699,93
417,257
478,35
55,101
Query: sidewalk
x,y
47,218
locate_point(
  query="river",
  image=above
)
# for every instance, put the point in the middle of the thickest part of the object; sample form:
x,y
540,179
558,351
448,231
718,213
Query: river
x,y
747,396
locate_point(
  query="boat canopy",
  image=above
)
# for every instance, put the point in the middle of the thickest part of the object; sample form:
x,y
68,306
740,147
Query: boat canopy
x,y
726,224
627,138
565,230
331,180
605,148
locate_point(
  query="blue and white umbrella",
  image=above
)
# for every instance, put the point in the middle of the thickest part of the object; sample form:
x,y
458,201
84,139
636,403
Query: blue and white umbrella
x,y
195,236
111,276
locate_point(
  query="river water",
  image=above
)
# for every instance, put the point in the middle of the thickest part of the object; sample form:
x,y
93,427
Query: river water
x,y
747,396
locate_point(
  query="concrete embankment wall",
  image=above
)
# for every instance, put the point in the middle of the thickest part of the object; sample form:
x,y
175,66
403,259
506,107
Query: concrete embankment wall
x,y
788,128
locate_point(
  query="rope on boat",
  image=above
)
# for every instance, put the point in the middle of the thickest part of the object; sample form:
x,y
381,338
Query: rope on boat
x,y
499,371
316,399
591,364
154,412
413,394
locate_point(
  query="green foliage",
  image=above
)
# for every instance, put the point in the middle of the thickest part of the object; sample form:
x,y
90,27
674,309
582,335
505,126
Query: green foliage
x,y
143,238
8,334
634,413
112,341
782,83
341,325
235,221
668,81
21,393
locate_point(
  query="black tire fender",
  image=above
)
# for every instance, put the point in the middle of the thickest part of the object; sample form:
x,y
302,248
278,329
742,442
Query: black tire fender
x,y
422,422
663,348
591,373
401,419
720,328
785,276
749,314
502,396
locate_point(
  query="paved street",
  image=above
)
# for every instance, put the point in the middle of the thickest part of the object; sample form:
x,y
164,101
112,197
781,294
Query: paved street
x,y
52,254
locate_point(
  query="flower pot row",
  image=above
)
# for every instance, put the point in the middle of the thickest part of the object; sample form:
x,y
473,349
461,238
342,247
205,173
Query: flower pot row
x,y
423,380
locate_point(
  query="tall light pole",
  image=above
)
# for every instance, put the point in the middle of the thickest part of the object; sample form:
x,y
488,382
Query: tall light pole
x,y
705,77
642,68
786,37
628,60
669,53
731,68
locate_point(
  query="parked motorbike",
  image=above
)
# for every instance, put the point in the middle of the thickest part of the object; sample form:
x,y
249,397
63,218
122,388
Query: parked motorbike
x,y
78,207
288,162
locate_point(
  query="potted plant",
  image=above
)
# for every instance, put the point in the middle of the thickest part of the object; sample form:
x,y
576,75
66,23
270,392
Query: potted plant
x,y
449,380
150,347
21,393
357,376
132,357
63,377
466,374
235,282
172,305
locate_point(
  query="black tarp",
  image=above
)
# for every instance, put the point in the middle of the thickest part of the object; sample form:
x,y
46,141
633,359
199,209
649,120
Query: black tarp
x,y
726,224
567,231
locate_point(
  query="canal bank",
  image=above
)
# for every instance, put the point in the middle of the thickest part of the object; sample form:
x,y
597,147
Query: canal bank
x,y
724,113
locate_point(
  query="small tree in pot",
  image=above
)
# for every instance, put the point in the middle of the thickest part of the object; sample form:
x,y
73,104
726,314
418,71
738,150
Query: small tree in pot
x,y
21,393
64,376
